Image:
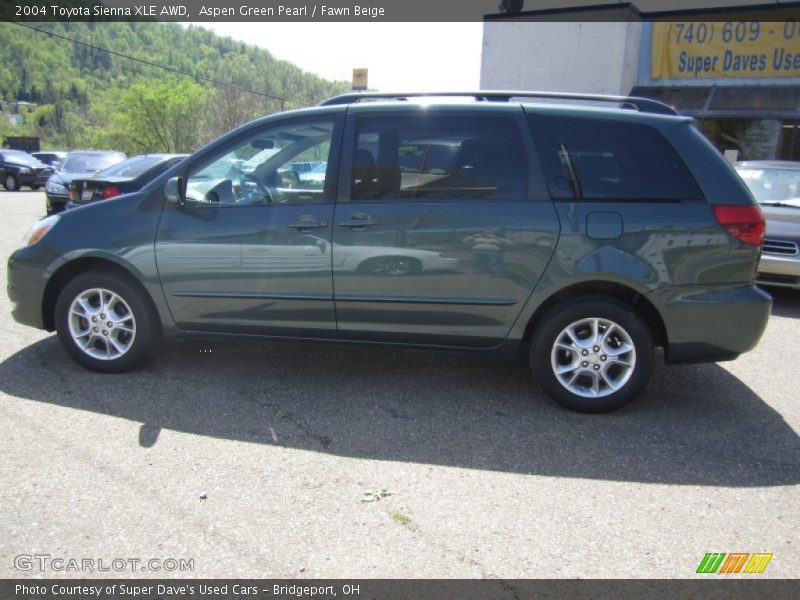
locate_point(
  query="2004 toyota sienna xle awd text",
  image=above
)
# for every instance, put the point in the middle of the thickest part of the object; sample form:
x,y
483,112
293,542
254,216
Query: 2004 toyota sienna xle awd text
x,y
580,236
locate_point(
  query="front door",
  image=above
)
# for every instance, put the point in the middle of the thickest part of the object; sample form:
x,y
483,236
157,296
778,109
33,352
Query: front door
x,y
249,251
442,229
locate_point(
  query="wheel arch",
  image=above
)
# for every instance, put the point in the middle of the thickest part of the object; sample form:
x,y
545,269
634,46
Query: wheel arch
x,y
615,291
68,271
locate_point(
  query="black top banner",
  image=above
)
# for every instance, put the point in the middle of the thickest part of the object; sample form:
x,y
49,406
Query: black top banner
x,y
386,10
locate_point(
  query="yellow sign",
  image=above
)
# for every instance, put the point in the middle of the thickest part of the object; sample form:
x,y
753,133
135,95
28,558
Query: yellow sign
x,y
702,50
359,79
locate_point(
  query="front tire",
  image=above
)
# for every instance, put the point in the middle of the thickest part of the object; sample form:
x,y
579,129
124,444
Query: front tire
x,y
10,182
592,355
106,323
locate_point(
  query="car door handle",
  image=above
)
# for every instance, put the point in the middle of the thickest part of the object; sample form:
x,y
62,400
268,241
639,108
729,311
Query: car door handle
x,y
310,224
360,220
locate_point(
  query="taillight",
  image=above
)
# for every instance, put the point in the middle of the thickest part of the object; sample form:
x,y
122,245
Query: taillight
x,y
110,191
745,222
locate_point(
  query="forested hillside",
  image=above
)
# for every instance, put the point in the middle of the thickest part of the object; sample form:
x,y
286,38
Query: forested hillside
x,y
88,97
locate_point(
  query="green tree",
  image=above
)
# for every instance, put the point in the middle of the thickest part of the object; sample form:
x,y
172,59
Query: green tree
x,y
161,117
85,84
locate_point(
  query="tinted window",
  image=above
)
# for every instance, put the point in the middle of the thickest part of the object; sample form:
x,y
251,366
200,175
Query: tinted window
x,y
610,160
441,158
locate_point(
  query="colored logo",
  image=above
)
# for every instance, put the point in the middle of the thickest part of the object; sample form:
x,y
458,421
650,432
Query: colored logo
x,y
735,562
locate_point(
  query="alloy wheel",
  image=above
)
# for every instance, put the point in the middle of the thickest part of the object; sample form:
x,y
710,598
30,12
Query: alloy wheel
x,y
593,357
101,324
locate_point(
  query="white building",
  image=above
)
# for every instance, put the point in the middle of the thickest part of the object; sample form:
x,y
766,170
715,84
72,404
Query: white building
x,y
736,70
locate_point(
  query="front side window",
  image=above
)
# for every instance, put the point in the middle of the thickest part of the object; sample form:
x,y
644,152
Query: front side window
x,y
258,170
438,158
594,159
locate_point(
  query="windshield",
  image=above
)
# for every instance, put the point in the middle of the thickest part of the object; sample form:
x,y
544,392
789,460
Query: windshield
x,y
84,163
20,158
133,167
772,185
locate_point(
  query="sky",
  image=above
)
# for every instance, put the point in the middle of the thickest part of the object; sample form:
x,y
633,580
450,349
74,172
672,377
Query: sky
x,y
405,57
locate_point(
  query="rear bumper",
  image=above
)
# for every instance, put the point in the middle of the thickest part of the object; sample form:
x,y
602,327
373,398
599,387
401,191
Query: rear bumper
x,y
708,323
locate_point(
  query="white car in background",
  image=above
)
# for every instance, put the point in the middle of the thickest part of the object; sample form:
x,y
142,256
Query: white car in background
x,y
315,178
298,254
775,185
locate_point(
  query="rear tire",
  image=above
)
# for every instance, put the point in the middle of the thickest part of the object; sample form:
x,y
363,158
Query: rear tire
x,y
106,323
592,355
10,182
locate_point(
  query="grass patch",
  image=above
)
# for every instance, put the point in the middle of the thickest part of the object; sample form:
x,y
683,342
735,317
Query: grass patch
x,y
399,517
376,496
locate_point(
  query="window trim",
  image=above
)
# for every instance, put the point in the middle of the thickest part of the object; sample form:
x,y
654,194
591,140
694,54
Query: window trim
x,y
226,146
535,119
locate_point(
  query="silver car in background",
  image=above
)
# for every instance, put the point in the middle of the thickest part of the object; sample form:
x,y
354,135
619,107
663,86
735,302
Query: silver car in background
x,y
776,187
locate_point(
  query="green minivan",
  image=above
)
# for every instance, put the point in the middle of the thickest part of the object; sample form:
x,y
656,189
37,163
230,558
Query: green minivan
x,y
580,236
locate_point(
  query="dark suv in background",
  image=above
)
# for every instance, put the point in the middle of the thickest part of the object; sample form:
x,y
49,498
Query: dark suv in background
x,y
18,168
579,237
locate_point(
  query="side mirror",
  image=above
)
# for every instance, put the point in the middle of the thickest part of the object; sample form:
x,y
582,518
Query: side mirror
x,y
173,190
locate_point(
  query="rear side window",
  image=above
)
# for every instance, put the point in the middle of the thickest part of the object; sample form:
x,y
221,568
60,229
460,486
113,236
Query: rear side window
x,y
438,158
592,159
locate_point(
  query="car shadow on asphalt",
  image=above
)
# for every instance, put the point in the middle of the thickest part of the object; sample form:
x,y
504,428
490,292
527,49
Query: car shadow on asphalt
x,y
693,425
785,302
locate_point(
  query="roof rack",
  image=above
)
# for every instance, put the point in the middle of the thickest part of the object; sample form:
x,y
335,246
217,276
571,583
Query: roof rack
x,y
631,102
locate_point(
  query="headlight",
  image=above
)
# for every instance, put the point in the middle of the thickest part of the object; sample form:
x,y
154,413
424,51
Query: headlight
x,y
24,171
39,230
55,188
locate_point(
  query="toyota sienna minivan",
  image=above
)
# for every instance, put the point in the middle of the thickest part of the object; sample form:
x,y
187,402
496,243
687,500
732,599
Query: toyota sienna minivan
x,y
580,237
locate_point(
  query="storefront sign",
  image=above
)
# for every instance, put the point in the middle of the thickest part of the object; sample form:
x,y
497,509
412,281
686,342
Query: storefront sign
x,y
702,50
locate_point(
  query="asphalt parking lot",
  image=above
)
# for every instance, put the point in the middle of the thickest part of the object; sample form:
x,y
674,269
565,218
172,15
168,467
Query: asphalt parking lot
x,y
286,460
